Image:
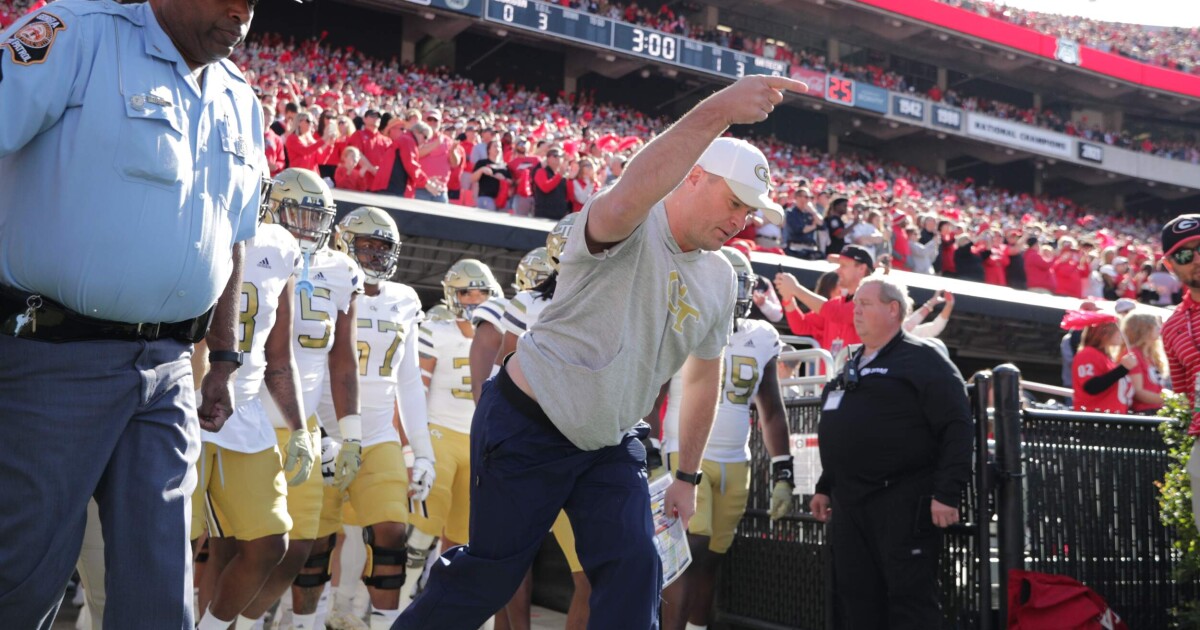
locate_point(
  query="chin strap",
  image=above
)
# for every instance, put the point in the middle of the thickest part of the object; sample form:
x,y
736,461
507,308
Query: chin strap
x,y
304,286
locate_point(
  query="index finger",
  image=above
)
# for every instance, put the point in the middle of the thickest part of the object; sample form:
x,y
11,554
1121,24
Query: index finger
x,y
786,83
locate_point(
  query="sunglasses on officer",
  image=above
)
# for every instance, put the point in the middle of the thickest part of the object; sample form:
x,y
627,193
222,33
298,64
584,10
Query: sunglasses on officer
x,y
1185,256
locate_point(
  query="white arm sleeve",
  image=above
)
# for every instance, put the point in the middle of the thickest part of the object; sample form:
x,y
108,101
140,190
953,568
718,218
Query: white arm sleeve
x,y
931,329
771,308
914,318
413,412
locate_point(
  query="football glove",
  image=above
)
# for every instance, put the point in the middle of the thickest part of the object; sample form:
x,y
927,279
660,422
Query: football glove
x,y
300,456
423,476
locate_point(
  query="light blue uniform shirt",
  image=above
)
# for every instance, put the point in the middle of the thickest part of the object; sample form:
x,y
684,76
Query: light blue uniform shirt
x,y
123,184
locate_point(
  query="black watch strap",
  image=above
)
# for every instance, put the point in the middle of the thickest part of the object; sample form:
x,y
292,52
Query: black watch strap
x,y
692,478
231,356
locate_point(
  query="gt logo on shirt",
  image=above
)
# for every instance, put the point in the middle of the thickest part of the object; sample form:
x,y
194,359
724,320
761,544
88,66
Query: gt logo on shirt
x,y
677,302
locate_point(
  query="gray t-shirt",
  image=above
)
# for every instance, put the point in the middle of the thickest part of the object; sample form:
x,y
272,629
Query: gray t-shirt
x,y
622,322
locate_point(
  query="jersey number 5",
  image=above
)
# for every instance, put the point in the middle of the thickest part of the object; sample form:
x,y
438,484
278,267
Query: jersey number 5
x,y
308,314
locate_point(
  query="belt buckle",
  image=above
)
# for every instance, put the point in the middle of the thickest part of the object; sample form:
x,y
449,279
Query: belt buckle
x,y
149,332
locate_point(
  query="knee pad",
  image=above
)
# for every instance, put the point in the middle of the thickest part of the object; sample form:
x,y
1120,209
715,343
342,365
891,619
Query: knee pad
x,y
320,561
378,556
420,545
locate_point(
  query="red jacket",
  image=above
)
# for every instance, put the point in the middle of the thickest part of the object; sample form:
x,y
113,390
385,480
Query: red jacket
x,y
377,148
1069,277
405,150
1037,271
834,321
306,156
522,171
900,249
994,266
546,184
276,158
350,179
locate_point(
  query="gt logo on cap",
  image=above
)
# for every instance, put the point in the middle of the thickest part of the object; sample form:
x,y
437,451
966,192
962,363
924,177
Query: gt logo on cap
x,y
761,172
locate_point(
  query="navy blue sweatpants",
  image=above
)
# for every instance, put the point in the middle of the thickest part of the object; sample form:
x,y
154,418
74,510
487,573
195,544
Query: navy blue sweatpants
x,y
523,471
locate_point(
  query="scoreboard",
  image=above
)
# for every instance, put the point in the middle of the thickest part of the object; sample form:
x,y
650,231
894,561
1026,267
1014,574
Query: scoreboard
x,y
552,19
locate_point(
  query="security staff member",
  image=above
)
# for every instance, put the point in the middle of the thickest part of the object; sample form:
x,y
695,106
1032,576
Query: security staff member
x,y
895,443
130,161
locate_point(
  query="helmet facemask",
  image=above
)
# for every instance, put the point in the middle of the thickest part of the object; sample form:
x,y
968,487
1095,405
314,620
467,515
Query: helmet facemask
x,y
264,204
378,263
309,220
465,275
746,283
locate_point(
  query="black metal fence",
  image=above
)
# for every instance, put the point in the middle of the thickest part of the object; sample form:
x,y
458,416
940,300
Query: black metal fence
x,y
1062,492
779,575
1092,512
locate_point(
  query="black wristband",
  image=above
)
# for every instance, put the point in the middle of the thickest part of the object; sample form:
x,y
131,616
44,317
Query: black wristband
x,y
782,471
231,356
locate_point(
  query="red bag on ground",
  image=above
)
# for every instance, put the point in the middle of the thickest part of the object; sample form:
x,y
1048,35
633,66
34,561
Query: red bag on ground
x,y
1041,601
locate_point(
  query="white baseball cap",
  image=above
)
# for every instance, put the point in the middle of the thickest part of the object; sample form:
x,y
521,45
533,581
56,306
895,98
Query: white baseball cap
x,y
745,169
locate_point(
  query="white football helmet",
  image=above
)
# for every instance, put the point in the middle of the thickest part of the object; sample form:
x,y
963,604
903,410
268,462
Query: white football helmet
x,y
535,267
556,240
746,280
357,229
302,203
463,275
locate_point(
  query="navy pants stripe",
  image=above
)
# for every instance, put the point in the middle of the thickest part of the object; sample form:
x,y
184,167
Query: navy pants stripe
x,y
523,471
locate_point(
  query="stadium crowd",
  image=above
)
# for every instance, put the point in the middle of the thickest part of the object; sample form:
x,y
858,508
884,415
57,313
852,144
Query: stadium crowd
x,y
1159,46
1174,48
998,236
1162,142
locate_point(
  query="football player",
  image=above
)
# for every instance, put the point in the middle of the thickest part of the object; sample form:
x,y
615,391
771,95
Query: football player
x,y
444,349
488,319
523,311
241,490
391,391
724,490
324,343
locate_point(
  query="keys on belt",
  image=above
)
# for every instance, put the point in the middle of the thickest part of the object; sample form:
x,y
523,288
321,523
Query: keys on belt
x,y
32,316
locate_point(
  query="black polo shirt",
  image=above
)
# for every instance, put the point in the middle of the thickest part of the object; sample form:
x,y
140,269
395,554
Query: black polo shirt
x,y
906,419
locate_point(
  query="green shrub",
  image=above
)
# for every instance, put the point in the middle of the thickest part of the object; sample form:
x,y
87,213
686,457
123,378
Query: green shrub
x,y
1175,501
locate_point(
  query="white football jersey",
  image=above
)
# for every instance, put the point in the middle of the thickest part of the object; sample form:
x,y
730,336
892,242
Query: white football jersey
x,y
523,310
335,279
750,348
387,342
271,257
450,402
491,311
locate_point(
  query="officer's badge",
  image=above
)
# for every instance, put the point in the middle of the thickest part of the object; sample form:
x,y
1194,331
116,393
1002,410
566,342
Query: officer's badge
x,y
31,43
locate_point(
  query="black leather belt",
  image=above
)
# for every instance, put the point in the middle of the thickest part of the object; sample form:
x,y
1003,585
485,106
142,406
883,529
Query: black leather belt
x,y
29,316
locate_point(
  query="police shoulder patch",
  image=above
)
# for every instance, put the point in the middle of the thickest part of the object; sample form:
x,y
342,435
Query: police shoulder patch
x,y
31,43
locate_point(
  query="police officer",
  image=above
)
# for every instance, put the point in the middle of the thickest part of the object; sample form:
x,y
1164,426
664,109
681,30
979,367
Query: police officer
x,y
130,162
895,443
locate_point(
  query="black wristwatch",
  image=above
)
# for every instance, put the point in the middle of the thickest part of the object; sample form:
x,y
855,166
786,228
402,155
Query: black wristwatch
x,y
691,478
231,356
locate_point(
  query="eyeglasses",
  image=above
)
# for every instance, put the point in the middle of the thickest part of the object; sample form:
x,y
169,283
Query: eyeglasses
x,y
1185,256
